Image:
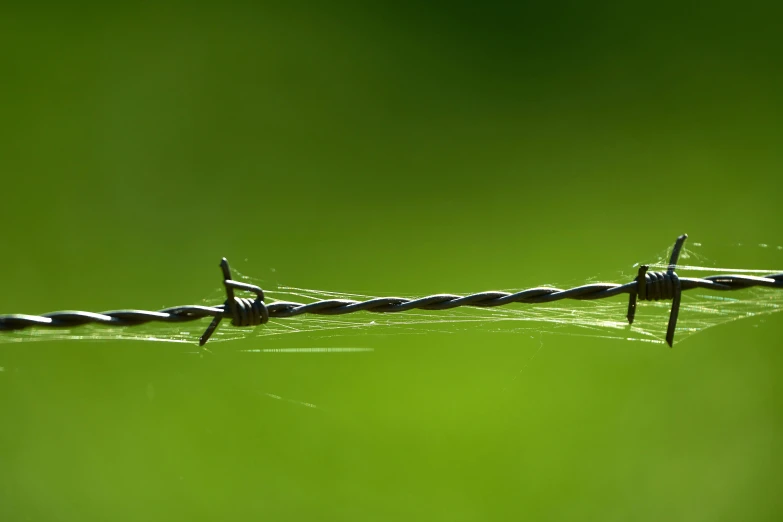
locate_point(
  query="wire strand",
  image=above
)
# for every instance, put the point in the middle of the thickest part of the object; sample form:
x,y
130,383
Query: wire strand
x,y
247,312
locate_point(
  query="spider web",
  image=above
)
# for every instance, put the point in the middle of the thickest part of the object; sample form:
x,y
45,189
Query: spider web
x,y
699,311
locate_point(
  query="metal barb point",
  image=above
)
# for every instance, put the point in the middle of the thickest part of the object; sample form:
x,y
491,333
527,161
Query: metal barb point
x,y
677,290
640,283
229,304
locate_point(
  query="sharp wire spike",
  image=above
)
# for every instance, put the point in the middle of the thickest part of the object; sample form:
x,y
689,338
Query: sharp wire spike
x,y
640,287
229,303
677,293
649,286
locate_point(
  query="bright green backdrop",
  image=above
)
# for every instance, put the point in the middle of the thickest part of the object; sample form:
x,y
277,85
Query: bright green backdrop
x,y
385,148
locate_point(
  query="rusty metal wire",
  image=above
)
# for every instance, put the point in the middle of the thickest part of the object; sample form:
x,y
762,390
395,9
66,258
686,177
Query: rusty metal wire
x,y
246,312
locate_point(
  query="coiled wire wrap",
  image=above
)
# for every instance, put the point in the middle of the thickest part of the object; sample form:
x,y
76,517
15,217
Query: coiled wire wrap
x,y
654,286
248,312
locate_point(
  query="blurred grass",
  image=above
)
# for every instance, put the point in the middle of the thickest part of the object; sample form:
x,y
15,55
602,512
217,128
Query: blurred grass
x,y
394,147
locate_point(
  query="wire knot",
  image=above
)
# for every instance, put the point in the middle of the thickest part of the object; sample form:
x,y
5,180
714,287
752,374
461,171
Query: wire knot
x,y
242,310
655,286
247,312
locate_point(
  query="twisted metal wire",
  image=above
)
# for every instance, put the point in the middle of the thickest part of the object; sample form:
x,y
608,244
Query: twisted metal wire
x,y
246,312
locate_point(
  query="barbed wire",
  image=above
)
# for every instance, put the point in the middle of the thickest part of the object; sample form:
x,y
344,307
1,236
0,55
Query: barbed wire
x,y
650,286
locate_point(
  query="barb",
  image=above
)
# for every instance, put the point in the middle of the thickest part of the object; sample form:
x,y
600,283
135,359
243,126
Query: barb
x,y
650,286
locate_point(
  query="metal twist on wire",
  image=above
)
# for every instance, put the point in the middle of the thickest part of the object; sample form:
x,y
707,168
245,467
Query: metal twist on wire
x,y
245,312
653,286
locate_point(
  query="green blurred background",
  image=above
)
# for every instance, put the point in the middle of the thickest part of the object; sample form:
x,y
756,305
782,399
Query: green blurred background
x,y
386,147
